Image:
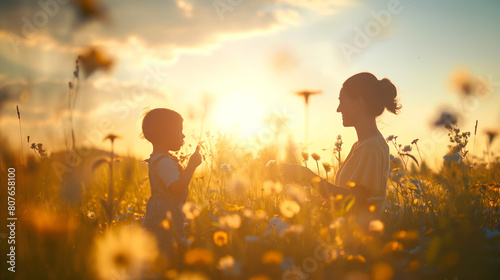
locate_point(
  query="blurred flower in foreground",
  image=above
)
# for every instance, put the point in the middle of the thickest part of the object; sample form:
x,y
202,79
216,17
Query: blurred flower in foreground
x,y
226,263
289,208
127,252
199,256
230,221
392,246
237,185
467,84
272,257
48,222
94,60
376,226
191,276
191,210
272,188
446,119
220,238
88,10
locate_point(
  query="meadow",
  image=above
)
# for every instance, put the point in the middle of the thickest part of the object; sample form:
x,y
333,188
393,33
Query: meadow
x,y
243,222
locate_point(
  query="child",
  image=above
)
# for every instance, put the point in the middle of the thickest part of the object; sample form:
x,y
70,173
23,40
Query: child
x,y
169,181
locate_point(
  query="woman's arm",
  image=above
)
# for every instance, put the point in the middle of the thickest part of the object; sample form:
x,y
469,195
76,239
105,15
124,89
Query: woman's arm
x,y
304,176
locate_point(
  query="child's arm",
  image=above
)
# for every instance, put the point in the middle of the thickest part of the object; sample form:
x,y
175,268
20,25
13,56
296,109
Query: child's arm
x,y
179,186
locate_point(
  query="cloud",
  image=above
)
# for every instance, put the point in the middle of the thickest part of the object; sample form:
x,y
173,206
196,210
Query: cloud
x,y
178,24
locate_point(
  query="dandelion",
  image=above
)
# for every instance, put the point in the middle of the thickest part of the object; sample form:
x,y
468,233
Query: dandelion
x,y
198,256
351,184
232,221
272,257
220,238
191,210
289,208
226,263
376,226
131,250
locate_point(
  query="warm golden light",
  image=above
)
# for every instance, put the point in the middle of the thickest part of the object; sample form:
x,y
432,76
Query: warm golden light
x,y
239,112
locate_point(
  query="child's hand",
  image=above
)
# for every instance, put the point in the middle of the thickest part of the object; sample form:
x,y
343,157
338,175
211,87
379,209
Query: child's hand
x,y
195,159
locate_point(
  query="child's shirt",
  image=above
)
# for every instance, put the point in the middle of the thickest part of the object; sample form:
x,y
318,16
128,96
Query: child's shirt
x,y
163,171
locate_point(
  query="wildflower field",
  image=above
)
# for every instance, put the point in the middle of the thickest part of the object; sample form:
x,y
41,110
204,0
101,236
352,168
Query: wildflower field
x,y
243,222
76,75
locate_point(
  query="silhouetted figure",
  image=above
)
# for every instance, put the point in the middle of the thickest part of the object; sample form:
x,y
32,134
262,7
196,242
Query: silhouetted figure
x,y
169,181
365,171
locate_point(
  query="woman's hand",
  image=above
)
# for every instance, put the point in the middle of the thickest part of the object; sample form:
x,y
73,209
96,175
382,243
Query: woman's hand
x,y
296,173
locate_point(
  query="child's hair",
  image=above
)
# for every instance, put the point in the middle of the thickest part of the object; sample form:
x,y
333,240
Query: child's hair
x,y
158,122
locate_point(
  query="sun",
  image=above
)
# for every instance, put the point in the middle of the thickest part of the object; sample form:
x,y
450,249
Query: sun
x,y
239,112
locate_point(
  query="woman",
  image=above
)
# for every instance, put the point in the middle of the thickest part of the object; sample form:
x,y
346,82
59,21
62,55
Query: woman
x,y
365,171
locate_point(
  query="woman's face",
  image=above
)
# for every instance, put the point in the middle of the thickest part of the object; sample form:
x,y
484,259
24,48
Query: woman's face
x,y
349,107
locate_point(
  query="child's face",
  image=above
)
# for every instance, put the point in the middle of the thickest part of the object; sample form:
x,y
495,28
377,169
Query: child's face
x,y
176,138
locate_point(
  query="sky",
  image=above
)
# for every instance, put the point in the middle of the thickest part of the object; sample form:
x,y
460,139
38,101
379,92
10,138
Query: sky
x,y
228,65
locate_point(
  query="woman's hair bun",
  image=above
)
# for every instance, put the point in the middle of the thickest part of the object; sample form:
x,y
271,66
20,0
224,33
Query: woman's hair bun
x,y
388,93
378,94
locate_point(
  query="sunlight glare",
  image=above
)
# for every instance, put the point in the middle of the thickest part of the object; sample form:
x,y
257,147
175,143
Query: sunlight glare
x,y
239,112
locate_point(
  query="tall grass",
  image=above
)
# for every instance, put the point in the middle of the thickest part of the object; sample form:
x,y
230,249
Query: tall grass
x,y
244,222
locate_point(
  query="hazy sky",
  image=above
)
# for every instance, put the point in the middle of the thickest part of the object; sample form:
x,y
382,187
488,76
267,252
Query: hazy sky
x,y
247,58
